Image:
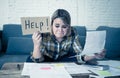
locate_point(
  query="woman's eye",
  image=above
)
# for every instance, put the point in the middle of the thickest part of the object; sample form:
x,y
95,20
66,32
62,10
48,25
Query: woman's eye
x,y
64,26
57,26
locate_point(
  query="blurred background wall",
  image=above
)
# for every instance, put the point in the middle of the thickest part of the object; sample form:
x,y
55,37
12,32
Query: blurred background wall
x,y
89,13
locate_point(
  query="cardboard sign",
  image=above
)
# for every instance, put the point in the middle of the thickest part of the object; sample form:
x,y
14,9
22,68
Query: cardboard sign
x,y
32,24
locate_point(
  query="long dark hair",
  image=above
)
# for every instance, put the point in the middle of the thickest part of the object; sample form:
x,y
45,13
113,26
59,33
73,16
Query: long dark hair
x,y
64,15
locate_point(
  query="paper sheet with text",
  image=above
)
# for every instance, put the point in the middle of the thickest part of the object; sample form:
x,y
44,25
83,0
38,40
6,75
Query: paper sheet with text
x,y
49,72
35,70
95,41
52,70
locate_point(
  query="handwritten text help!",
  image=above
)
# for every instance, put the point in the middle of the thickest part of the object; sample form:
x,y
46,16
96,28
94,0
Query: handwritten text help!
x,y
32,24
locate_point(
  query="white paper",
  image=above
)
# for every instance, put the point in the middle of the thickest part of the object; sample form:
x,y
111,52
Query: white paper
x,y
73,68
45,70
95,41
26,68
51,72
30,66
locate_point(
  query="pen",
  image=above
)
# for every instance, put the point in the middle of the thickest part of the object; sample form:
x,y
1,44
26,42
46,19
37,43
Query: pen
x,y
93,73
18,66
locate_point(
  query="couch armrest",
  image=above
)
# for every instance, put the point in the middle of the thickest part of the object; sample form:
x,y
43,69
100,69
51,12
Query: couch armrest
x,y
0,41
0,46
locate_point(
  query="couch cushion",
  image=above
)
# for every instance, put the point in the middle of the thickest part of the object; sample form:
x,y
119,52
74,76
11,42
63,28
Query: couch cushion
x,y
81,30
11,30
112,44
19,45
0,46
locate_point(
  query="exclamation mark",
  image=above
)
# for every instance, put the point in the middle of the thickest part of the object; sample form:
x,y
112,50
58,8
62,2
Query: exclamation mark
x,y
47,24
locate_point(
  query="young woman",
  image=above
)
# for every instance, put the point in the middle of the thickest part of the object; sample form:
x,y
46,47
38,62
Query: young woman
x,y
61,43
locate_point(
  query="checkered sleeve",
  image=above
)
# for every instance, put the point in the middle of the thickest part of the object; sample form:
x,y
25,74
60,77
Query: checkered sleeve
x,y
78,49
38,60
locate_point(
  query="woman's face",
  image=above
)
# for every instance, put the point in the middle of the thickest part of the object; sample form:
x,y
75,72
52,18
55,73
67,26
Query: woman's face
x,y
59,28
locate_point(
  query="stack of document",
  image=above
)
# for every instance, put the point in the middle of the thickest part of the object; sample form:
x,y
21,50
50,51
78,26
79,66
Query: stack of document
x,y
114,69
53,70
35,70
63,70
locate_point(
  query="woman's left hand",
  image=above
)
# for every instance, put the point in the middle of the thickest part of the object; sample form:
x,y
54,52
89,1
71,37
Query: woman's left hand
x,y
100,55
92,59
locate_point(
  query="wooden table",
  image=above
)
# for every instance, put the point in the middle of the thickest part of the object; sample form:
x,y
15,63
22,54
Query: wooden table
x,y
13,70
10,70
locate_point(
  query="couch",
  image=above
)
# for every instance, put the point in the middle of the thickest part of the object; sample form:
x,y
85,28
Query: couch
x,y
17,47
112,44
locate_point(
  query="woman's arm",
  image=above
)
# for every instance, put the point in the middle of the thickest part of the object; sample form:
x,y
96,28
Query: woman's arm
x,y
86,58
37,43
100,55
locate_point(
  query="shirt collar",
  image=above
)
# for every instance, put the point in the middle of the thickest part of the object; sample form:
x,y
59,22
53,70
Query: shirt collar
x,y
54,38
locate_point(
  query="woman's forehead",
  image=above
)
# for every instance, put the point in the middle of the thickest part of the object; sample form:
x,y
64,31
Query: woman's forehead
x,y
58,20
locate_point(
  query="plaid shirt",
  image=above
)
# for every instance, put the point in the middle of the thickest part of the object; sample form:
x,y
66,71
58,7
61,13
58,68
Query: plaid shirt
x,y
54,49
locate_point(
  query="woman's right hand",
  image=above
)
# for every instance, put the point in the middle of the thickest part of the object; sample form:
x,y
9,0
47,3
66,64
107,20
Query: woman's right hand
x,y
36,38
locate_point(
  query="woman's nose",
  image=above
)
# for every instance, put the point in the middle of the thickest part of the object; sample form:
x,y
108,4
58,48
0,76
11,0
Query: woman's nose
x,y
60,29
